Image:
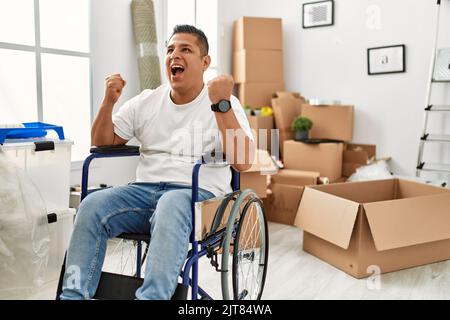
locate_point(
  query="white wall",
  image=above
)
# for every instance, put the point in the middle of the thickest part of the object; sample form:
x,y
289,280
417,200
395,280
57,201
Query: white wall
x,y
112,51
330,62
327,62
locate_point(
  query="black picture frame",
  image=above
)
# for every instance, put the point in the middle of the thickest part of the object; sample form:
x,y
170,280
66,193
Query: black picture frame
x,y
315,3
387,54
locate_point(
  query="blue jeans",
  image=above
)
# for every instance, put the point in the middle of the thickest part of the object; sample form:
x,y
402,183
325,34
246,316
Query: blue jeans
x,y
163,209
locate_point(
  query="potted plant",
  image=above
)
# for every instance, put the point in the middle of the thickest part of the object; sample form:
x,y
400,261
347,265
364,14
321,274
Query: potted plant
x,y
301,126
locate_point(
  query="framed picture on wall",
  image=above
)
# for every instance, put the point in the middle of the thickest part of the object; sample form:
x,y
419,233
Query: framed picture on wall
x,y
318,14
383,60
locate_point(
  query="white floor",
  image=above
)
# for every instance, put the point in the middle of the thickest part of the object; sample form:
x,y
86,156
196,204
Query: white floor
x,y
294,274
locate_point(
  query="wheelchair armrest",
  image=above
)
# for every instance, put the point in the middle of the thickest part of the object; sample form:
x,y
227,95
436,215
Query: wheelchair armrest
x,y
128,149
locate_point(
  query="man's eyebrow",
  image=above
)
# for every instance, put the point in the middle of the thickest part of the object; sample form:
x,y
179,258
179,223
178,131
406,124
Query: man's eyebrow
x,y
181,45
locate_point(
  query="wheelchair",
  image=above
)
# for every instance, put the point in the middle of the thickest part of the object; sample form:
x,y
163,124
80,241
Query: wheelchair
x,y
239,236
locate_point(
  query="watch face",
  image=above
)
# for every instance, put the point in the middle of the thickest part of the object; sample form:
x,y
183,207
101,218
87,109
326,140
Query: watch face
x,y
224,106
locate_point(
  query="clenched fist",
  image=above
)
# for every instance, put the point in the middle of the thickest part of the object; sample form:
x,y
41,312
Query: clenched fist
x,y
220,88
114,86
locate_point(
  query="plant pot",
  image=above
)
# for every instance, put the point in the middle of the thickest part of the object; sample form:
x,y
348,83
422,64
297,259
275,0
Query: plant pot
x,y
301,135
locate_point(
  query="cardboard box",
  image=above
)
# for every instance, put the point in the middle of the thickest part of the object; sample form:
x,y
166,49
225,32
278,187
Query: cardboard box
x,y
258,66
330,122
391,224
262,128
355,156
256,94
295,177
325,158
286,106
286,190
282,204
258,33
205,213
256,177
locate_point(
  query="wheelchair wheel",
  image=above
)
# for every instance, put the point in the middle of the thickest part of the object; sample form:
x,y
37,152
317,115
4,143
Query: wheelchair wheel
x,y
246,241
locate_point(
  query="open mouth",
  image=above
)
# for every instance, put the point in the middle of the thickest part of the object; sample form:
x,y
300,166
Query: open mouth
x,y
176,69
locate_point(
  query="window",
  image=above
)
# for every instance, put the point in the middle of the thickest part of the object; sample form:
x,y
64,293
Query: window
x,y
202,14
45,72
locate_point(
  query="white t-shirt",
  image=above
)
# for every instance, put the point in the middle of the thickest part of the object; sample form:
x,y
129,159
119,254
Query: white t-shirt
x,y
173,137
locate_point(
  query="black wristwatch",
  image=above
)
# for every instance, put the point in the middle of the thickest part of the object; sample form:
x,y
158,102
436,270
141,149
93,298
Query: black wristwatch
x,y
222,106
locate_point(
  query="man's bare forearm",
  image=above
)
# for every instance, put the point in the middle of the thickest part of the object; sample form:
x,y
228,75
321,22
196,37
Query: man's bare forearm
x,y
243,151
102,132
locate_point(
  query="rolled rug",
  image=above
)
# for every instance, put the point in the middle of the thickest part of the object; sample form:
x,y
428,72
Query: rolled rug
x,y
144,29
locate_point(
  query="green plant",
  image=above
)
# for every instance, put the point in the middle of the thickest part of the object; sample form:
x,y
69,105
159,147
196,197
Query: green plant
x,y
301,124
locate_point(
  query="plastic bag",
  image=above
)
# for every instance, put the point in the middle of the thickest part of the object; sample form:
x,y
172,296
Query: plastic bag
x,y
24,233
376,171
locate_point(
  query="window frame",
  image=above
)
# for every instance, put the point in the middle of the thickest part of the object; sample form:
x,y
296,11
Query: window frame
x,y
38,50
166,34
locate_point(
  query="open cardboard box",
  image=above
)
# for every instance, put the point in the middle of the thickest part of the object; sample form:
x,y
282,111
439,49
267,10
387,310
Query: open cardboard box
x,y
393,224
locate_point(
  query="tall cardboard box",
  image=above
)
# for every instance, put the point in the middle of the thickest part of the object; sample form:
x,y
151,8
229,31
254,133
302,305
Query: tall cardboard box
x,y
258,66
262,131
287,186
330,121
355,156
325,158
257,94
258,33
286,106
390,224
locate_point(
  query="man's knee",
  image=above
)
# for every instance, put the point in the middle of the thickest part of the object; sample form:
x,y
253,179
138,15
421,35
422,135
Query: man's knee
x,y
91,207
175,204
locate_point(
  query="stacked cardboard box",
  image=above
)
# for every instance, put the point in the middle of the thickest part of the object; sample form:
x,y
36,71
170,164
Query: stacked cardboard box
x,y
333,122
258,59
286,189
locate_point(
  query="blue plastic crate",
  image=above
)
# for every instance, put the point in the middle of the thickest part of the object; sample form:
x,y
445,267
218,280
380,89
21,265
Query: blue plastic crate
x,y
31,130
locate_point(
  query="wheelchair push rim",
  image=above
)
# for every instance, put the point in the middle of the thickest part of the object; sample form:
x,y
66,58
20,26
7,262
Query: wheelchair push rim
x,y
247,235
250,253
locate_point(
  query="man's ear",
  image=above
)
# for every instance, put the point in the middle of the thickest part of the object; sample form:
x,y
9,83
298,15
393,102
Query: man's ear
x,y
206,62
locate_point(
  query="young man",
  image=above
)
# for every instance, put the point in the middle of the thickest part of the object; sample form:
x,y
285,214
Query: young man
x,y
175,124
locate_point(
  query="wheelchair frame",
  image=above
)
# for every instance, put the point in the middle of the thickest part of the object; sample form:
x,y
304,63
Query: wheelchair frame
x,y
199,248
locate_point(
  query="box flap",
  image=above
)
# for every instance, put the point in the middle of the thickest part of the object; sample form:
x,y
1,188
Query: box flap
x,y
285,110
327,216
263,163
411,221
288,94
362,191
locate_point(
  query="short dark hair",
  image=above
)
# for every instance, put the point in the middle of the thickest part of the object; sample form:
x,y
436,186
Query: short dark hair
x,y
199,34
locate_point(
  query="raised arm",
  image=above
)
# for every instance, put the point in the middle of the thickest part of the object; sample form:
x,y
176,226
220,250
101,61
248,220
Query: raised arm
x,y
238,152
102,132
